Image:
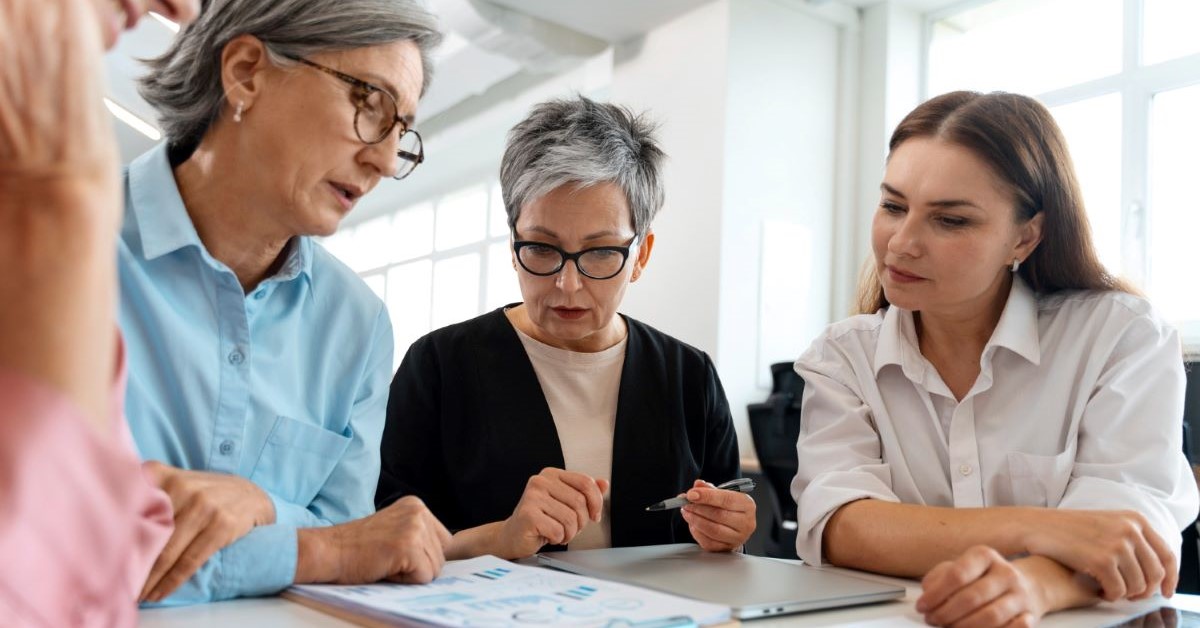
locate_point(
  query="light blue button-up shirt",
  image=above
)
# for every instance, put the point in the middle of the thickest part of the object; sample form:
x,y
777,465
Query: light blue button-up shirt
x,y
286,385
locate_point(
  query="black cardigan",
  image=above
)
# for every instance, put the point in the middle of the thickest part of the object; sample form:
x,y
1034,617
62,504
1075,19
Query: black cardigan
x,y
468,425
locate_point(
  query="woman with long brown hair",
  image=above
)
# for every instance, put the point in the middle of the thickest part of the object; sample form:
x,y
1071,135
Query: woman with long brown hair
x,y
1003,417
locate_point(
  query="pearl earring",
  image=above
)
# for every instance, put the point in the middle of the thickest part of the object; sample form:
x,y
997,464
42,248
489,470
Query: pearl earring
x,y
1015,265
237,115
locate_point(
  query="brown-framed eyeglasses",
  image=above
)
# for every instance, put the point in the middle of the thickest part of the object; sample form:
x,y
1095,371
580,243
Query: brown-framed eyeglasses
x,y
375,116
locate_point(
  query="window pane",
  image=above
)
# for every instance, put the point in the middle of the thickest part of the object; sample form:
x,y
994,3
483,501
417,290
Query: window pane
x,y
1170,29
502,286
373,243
455,289
1093,131
412,232
462,218
1026,46
377,283
408,289
340,245
498,218
1174,212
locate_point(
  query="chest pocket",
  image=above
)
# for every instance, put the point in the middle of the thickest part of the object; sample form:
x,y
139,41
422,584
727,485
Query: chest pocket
x,y
1039,480
297,459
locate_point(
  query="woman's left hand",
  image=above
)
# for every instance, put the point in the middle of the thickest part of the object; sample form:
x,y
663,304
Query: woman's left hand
x,y
719,520
212,510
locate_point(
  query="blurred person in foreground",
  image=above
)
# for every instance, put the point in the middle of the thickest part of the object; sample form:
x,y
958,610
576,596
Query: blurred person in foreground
x,y
81,523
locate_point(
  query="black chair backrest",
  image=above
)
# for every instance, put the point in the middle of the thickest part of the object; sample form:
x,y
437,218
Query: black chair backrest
x,y
1191,408
1189,566
775,426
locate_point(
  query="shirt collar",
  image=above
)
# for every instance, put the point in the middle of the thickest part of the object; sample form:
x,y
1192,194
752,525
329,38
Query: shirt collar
x,y
164,225
299,261
1016,331
898,343
163,222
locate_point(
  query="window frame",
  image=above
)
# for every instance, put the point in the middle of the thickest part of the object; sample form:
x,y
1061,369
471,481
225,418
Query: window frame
x,y
480,247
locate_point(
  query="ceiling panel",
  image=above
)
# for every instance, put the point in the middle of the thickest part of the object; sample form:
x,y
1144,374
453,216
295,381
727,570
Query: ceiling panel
x,y
611,20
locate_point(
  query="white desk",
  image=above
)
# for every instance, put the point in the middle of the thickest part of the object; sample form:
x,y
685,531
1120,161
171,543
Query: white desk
x,y
268,612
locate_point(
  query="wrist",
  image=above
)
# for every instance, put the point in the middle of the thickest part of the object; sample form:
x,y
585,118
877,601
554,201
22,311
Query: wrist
x,y
476,541
82,211
267,513
29,187
1018,540
1054,586
318,557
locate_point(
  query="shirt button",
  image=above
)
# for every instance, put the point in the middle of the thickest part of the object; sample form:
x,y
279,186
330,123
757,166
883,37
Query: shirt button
x,y
226,448
258,296
965,469
236,357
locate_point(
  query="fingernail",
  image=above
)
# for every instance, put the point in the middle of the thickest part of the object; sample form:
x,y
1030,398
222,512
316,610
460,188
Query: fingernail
x,y
693,495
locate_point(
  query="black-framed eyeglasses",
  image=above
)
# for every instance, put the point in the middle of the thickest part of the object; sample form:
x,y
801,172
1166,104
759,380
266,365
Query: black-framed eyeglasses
x,y
375,116
600,262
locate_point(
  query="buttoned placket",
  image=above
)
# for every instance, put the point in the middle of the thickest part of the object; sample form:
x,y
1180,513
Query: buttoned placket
x,y
965,473
966,480
233,392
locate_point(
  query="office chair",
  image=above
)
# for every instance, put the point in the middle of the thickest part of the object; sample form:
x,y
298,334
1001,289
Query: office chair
x,y
1189,561
775,426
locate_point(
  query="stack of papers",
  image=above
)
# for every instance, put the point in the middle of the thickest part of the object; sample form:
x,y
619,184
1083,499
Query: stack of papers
x,y
488,591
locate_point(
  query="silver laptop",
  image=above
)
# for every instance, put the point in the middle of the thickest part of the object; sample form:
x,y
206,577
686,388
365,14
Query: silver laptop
x,y
752,586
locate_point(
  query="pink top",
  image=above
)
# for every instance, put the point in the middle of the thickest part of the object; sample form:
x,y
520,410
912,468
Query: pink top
x,y
80,525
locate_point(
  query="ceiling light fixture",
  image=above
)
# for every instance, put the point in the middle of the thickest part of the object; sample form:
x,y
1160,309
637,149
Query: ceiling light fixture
x,y
128,117
171,26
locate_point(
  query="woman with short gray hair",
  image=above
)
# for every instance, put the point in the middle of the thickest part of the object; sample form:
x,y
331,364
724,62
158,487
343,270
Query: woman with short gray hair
x,y
258,363
557,421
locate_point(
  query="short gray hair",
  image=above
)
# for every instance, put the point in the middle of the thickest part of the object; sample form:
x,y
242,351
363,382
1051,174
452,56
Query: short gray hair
x,y
582,142
184,84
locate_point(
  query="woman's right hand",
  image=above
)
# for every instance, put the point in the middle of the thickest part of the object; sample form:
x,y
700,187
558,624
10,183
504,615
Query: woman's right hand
x,y
403,542
982,588
555,506
52,121
1119,549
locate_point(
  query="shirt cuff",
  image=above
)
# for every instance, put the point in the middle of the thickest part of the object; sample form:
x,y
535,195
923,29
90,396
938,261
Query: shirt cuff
x,y
289,514
261,563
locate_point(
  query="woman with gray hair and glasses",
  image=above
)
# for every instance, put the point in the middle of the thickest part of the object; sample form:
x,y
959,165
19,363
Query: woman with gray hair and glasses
x,y
514,426
258,363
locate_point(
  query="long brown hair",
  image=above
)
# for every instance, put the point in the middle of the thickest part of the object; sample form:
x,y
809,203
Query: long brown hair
x,y
1018,138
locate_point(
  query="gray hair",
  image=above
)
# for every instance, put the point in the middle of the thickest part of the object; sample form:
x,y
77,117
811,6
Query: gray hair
x,y
184,84
582,142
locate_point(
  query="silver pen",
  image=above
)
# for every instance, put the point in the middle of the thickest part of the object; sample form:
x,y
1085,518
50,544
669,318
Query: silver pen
x,y
741,485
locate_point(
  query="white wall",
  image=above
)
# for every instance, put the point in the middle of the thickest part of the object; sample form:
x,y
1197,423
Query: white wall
x,y
685,92
889,71
749,118
780,157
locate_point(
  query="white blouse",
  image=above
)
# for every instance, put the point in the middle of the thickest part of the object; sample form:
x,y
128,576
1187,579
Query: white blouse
x,y
1078,404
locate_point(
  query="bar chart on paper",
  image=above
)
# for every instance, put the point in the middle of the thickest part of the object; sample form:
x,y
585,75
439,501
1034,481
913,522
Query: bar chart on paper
x,y
488,591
